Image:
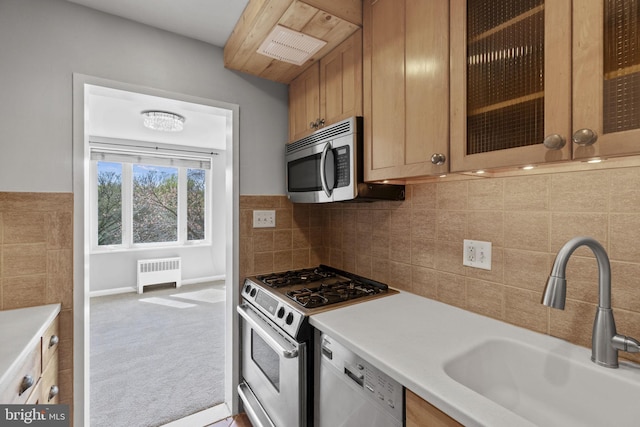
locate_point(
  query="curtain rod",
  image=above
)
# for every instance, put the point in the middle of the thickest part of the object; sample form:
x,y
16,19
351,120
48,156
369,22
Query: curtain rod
x,y
151,146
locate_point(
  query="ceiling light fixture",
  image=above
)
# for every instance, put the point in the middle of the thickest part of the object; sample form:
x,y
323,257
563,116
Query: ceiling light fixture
x,y
163,121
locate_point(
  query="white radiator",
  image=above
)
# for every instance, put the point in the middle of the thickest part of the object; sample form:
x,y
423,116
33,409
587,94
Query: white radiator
x,y
159,270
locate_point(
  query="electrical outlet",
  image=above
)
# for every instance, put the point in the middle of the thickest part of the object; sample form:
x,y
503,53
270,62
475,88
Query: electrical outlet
x,y
477,254
264,219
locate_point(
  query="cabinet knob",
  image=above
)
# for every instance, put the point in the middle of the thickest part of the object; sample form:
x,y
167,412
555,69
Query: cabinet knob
x,y
554,141
320,123
584,137
313,125
53,392
438,159
53,340
26,383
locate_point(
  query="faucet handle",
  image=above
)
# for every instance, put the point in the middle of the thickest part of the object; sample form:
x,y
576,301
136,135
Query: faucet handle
x,y
624,343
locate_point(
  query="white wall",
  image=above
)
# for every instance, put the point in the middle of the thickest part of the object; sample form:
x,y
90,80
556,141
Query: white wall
x,y
115,270
42,42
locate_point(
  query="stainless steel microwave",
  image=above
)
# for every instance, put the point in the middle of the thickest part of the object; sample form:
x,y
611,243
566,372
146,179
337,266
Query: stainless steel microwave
x,y
326,166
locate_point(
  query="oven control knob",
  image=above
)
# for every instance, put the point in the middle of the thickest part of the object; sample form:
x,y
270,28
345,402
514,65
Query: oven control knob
x,y
253,292
281,313
247,289
289,319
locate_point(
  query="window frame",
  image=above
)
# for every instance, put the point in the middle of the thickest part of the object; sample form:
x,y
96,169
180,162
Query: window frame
x,y
127,210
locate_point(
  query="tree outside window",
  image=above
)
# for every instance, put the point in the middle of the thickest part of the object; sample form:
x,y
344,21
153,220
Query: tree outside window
x,y
155,204
195,204
109,203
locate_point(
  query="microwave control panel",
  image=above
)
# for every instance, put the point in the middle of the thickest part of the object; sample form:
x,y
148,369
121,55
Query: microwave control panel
x,y
343,166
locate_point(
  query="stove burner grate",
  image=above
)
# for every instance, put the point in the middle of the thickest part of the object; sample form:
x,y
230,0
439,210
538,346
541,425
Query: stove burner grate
x,y
307,275
332,293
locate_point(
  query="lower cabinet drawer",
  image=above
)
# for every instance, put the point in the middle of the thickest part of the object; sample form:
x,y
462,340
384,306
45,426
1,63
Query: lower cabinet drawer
x,y
18,390
49,383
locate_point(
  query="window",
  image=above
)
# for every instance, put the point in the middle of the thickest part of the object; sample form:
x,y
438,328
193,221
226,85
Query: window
x,y
155,204
142,200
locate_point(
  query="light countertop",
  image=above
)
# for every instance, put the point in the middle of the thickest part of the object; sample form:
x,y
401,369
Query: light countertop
x,y
411,338
20,330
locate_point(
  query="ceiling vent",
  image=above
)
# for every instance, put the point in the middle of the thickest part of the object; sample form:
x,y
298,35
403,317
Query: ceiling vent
x,y
290,46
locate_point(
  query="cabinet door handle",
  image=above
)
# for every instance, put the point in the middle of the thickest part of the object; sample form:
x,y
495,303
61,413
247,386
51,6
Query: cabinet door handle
x,y
53,340
438,159
53,392
26,384
554,141
584,137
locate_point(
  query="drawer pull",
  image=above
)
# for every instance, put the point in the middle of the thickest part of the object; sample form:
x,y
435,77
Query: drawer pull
x,y
26,384
53,341
53,392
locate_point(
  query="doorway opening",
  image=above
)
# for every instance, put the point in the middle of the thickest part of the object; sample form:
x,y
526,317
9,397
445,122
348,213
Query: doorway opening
x,y
109,136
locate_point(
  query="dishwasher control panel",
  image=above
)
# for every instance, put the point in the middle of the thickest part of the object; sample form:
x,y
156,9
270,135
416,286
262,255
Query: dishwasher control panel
x,y
374,383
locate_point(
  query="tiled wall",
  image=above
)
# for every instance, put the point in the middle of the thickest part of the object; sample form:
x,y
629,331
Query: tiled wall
x,y
295,243
416,245
36,263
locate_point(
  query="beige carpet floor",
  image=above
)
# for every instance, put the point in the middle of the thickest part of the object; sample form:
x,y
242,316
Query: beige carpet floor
x,y
156,357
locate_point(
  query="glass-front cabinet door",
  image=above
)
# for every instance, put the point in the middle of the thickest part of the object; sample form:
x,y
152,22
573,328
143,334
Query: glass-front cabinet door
x,y
510,83
606,78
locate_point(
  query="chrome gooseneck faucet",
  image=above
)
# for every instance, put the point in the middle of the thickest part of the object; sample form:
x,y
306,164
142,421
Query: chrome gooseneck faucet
x,y
605,341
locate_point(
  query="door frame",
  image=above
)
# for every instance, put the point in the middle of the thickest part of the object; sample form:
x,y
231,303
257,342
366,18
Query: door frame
x,y
81,241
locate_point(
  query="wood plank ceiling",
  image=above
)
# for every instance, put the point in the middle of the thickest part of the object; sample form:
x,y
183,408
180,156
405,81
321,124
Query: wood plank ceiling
x,y
330,20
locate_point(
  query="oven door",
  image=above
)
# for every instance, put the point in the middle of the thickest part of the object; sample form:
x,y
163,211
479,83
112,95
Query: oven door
x,y
274,372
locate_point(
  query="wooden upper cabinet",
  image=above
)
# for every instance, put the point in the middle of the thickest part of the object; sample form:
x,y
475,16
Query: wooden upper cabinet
x,y
606,77
341,81
328,91
304,102
511,82
406,87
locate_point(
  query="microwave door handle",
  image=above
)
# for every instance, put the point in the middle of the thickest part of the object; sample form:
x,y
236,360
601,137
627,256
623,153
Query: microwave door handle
x,y
323,163
265,333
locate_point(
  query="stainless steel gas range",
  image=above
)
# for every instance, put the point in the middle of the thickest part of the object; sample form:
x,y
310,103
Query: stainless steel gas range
x,y
277,370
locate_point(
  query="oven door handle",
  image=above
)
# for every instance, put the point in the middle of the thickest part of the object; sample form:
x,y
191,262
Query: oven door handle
x,y
266,332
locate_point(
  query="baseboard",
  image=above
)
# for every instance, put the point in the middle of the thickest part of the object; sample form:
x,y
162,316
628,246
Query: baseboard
x,y
203,279
113,291
128,289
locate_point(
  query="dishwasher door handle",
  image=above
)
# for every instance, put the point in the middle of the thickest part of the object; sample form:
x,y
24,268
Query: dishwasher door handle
x,y
358,377
267,333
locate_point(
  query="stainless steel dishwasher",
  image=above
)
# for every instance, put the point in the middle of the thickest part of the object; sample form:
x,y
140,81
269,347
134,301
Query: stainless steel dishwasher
x,y
350,392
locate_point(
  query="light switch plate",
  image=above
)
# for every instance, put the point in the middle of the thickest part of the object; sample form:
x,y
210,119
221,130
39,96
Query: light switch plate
x,y
477,254
264,219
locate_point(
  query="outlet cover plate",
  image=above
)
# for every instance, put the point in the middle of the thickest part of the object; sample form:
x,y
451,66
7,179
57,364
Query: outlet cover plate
x,y
477,254
264,219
